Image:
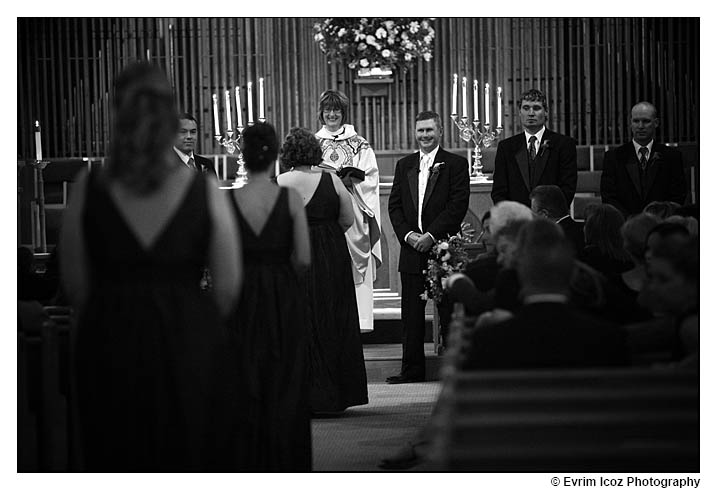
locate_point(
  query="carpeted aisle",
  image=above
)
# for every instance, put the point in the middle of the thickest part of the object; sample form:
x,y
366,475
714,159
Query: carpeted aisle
x,y
363,435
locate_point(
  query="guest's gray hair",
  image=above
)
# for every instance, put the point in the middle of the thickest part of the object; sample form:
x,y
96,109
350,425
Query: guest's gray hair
x,y
506,211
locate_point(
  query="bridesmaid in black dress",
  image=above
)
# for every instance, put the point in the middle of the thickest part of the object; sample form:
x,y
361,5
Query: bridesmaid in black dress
x,y
154,376
271,316
338,375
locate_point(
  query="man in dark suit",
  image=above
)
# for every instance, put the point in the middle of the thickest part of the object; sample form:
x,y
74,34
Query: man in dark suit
x,y
185,144
546,331
643,170
535,156
429,199
549,202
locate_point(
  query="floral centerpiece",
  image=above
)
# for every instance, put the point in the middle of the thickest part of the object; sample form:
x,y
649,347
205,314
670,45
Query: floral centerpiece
x,y
447,256
375,42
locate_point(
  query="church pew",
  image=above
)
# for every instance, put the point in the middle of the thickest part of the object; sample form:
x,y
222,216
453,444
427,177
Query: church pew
x,y
632,419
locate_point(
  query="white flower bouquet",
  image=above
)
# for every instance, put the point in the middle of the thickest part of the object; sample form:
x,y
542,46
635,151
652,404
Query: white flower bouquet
x,y
375,42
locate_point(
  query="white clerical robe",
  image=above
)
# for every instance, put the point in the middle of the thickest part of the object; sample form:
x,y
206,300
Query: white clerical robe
x,y
345,148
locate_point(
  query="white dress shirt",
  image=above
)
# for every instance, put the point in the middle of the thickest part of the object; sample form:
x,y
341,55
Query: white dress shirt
x,y
538,135
637,148
426,160
185,158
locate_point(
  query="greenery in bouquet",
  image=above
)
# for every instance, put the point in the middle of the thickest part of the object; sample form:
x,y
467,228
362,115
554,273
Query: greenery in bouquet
x,y
375,41
447,256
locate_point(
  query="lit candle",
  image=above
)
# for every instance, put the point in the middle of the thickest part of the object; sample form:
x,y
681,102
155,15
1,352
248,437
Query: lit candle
x,y
454,94
239,106
499,118
250,118
38,142
486,103
216,114
476,100
148,55
463,93
228,107
261,98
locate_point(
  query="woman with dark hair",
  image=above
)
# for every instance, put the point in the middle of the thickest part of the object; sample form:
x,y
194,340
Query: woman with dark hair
x,y
153,362
343,148
271,315
337,372
604,245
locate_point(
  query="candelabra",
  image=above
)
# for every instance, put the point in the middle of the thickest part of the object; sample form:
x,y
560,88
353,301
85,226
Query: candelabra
x,y
472,132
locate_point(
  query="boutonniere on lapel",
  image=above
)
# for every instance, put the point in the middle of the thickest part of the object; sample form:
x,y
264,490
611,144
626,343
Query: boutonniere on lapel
x,y
436,168
655,157
544,146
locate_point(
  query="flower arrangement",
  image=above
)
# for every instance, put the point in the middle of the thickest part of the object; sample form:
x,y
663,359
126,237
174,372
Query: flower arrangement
x,y
448,256
375,42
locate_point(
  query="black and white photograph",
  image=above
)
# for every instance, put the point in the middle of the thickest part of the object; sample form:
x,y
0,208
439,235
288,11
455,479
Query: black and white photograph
x,y
449,247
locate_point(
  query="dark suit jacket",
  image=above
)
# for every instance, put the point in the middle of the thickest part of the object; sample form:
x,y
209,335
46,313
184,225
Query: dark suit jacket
x,y
555,164
446,201
620,179
203,164
544,335
573,231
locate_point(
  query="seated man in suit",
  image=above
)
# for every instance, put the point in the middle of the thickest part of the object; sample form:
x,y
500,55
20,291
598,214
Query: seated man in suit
x,y
185,144
546,331
643,170
535,156
549,202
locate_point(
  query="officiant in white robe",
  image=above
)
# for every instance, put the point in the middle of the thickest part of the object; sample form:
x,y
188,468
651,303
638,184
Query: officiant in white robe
x,y
342,147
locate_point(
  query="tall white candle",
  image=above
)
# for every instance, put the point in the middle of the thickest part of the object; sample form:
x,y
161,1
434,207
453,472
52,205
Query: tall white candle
x,y
239,106
261,98
38,141
250,118
216,115
499,118
464,112
228,109
454,94
476,100
486,104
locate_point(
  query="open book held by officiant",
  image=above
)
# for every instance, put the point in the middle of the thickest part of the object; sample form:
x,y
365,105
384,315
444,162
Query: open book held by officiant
x,y
347,170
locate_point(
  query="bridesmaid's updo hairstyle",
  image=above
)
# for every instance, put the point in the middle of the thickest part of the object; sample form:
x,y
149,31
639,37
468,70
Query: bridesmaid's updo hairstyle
x,y
259,146
301,149
333,99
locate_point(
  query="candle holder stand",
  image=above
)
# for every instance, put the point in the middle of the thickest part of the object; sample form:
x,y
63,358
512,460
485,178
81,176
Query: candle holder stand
x,y
39,166
472,132
234,144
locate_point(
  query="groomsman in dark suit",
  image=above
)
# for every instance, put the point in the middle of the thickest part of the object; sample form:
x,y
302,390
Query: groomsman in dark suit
x,y
534,157
185,143
429,199
643,170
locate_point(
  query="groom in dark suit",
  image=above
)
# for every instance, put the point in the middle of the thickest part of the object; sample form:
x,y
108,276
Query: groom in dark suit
x,y
185,143
643,170
429,199
533,157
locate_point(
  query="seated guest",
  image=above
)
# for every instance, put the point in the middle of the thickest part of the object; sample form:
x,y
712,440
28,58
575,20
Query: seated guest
x,y
672,289
485,238
661,209
505,294
667,231
604,245
546,331
634,233
483,270
549,202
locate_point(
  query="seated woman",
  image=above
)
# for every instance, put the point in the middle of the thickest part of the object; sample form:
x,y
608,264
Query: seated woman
x,y
604,250
337,373
271,317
